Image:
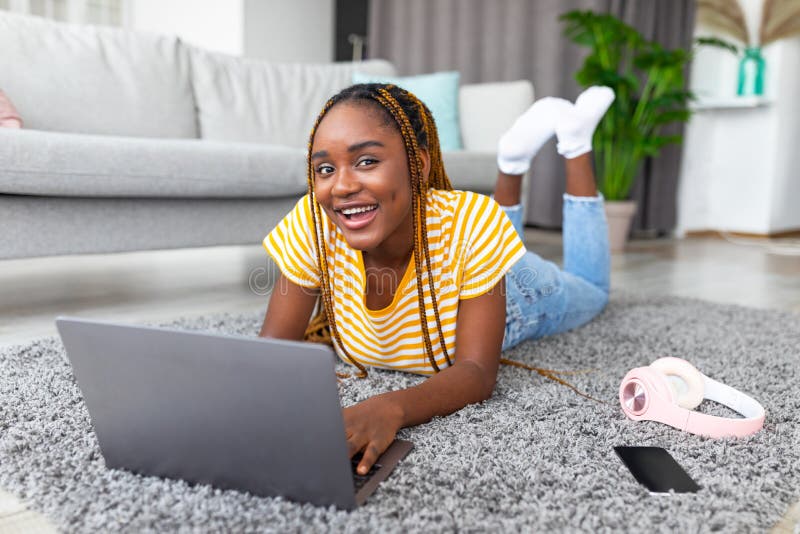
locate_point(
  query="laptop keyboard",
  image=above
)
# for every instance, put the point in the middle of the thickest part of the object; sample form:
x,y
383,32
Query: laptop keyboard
x,y
358,479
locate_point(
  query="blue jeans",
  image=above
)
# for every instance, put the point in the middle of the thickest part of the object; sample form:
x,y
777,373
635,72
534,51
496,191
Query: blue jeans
x,y
542,299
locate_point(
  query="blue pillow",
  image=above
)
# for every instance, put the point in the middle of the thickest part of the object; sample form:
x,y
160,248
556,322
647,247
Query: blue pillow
x,y
439,91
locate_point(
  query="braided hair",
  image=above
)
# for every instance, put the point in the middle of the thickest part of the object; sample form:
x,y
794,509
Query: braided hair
x,y
414,121
412,118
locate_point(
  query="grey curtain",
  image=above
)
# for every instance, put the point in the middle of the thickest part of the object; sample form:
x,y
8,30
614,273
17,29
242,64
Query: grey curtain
x,y
503,40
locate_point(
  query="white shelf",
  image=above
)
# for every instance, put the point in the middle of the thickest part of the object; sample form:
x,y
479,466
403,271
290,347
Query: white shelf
x,y
731,102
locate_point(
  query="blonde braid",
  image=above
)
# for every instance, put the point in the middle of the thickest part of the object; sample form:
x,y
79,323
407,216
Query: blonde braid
x,y
419,223
322,258
438,177
434,153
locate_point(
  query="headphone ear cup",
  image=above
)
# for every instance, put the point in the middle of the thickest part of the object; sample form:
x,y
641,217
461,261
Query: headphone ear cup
x,y
643,391
684,379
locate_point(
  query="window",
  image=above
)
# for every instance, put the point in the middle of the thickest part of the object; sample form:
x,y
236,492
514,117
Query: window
x,y
104,12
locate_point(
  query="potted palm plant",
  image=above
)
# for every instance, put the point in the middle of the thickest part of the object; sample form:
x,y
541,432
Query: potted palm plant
x,y
650,94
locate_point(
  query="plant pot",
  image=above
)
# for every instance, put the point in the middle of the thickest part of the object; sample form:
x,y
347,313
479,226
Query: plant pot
x,y
619,214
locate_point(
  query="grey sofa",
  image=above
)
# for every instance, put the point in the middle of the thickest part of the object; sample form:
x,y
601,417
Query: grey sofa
x,y
135,141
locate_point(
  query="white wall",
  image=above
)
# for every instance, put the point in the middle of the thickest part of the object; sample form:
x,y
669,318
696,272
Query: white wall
x,y
276,30
785,214
739,170
213,24
290,30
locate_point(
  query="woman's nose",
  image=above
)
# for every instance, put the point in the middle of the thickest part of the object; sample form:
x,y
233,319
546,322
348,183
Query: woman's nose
x,y
345,183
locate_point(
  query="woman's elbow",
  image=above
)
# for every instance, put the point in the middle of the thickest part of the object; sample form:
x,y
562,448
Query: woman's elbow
x,y
488,381
481,382
490,388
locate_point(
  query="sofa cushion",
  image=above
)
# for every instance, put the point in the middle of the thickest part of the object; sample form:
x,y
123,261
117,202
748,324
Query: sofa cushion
x,y
487,110
439,91
96,80
77,165
256,101
471,170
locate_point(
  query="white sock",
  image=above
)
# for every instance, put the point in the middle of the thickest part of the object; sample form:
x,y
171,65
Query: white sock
x,y
530,131
576,126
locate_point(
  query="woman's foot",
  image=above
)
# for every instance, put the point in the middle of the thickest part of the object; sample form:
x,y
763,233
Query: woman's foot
x,y
575,126
575,130
528,134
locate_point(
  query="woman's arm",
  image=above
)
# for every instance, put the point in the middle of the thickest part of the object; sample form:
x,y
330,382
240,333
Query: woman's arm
x,y
372,425
479,337
289,310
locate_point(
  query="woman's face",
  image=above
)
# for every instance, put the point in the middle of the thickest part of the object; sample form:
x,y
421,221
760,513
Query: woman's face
x,y
362,180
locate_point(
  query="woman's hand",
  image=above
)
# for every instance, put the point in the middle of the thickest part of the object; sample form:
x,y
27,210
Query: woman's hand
x,y
371,426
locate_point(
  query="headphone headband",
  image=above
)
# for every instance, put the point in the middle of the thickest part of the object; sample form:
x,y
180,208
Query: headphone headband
x,y
646,393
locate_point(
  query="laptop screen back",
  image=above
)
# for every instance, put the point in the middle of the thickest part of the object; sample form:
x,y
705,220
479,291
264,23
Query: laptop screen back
x,y
252,414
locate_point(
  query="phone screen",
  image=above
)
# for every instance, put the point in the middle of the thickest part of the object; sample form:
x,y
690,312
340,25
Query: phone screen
x,y
656,469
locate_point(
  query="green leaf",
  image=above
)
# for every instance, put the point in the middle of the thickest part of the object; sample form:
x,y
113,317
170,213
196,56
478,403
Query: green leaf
x,y
671,99
653,144
650,89
720,43
676,115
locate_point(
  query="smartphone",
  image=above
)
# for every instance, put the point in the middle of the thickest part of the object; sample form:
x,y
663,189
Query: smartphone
x,y
655,469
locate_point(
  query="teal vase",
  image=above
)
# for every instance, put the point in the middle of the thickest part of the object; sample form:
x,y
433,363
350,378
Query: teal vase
x,y
751,72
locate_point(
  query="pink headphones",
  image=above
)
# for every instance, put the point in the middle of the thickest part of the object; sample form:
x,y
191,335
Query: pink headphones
x,y
668,391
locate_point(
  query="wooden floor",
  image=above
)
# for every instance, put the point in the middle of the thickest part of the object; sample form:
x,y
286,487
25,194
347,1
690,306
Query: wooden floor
x,y
158,285
146,286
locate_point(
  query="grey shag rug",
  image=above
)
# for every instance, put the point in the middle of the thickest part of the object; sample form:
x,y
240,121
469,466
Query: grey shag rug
x,y
533,457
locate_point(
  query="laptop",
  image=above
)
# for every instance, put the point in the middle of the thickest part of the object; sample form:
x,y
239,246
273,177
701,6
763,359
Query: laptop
x,y
246,413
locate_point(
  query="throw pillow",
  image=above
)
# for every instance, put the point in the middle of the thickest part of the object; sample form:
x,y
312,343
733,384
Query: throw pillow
x,y
9,118
439,91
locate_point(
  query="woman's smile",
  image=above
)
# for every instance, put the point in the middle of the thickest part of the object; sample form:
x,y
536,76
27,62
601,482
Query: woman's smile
x,y
355,217
362,180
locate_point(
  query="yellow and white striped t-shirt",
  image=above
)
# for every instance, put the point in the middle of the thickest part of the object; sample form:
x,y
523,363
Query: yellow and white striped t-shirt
x,y
472,244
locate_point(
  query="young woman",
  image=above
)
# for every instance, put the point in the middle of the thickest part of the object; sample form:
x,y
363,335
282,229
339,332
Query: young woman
x,y
415,276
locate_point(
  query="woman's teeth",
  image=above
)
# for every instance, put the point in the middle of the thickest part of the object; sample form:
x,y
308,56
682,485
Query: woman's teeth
x,y
362,209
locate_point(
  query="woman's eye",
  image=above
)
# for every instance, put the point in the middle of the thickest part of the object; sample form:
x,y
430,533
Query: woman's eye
x,y
324,169
367,161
